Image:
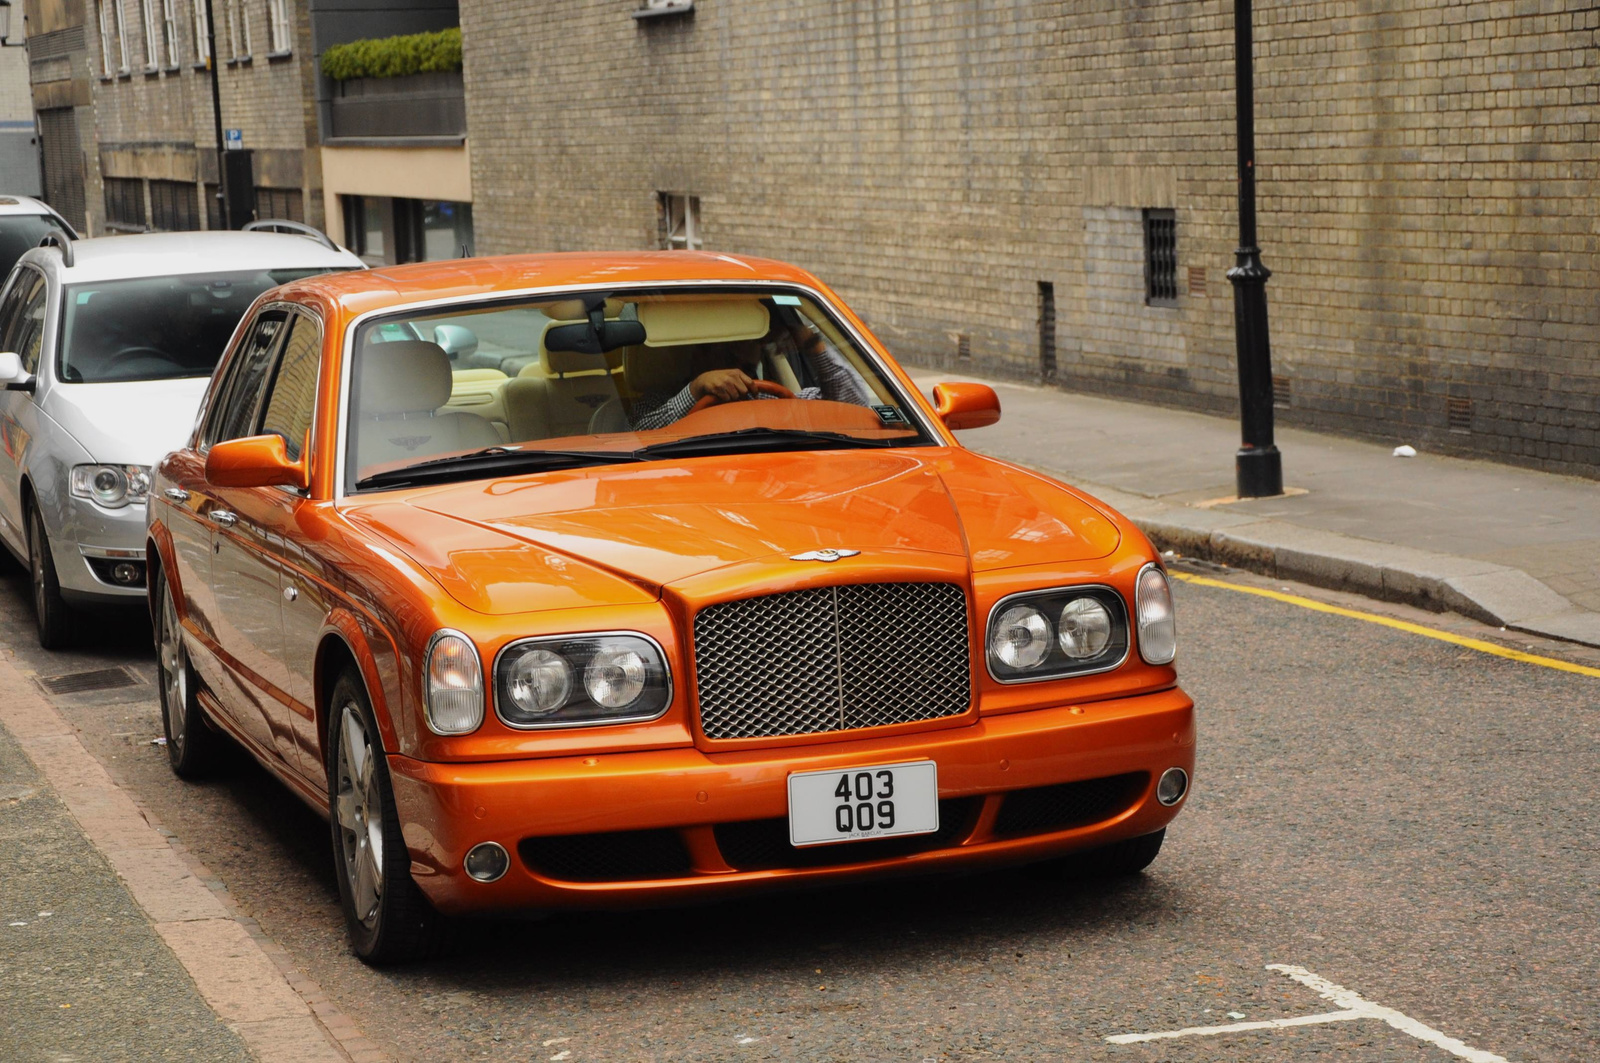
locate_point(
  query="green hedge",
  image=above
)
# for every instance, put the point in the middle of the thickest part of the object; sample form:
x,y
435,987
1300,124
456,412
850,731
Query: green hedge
x,y
393,57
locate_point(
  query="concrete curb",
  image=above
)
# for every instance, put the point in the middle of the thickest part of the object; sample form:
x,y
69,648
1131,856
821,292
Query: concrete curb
x,y
1487,592
247,979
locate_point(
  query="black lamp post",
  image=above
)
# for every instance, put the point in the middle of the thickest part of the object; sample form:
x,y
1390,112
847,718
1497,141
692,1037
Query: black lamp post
x,y
1258,469
216,116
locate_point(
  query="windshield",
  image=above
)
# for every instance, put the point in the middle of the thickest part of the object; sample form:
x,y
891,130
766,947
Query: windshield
x,y
156,328
19,232
486,389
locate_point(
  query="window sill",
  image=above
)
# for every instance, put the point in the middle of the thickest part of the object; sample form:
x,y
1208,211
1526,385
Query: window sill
x,y
124,75
241,60
278,57
151,71
201,65
175,68
106,78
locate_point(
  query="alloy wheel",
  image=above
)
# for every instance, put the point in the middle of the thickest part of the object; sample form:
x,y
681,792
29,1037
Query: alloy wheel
x,y
358,807
174,674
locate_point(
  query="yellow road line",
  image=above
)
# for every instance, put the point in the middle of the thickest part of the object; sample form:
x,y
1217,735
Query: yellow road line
x,y
1400,625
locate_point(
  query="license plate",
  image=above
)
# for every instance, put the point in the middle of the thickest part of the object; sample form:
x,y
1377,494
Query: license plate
x,y
881,801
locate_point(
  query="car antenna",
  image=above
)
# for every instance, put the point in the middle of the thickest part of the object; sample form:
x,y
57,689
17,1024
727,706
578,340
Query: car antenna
x,y
55,240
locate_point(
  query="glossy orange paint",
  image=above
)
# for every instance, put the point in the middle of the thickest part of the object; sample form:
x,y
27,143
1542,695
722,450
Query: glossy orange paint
x,y
644,547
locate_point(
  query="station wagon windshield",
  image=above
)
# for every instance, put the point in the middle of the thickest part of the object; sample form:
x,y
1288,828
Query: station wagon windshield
x,y
498,388
157,328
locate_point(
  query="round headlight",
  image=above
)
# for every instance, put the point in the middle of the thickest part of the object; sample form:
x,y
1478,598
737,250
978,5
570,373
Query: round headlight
x,y
1158,626
454,701
540,682
109,486
1084,629
1021,637
615,677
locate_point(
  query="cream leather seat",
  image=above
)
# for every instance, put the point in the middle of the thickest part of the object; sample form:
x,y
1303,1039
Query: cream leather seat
x,y
401,389
558,396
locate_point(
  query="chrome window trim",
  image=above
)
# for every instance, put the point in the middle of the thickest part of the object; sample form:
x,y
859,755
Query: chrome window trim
x,y
494,681
342,440
994,611
249,317
427,660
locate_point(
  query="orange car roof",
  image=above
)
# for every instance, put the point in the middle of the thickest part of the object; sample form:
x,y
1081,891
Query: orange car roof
x,y
360,291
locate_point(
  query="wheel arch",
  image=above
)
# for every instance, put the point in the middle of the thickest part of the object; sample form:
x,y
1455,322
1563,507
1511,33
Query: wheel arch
x,y
344,644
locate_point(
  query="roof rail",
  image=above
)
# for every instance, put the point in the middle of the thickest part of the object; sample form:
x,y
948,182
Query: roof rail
x,y
284,225
56,240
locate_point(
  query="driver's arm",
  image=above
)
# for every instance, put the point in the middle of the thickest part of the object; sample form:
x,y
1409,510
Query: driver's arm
x,y
657,410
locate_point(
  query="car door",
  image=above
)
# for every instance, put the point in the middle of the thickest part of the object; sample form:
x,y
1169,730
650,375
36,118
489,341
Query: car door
x,y
243,581
22,316
277,515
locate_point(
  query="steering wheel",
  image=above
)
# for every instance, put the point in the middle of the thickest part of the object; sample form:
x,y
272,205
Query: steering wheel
x,y
130,353
765,387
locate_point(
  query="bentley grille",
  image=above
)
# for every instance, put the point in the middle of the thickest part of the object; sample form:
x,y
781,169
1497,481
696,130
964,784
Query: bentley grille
x,y
832,659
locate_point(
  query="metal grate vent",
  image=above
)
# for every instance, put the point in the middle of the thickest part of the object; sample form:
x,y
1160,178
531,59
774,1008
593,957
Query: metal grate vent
x,y
82,682
1458,412
1161,257
1282,392
832,659
1197,281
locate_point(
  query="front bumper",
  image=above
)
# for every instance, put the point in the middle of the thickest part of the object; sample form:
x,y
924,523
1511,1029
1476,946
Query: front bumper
x,y
708,803
92,540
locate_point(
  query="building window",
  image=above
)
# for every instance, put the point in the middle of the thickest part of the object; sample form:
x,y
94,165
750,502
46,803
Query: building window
x,y
1160,258
125,203
174,206
113,41
238,16
278,26
284,203
152,53
172,51
385,231
679,217
202,33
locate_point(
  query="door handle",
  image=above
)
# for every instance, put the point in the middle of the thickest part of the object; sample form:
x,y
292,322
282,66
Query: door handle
x,y
222,518
290,594
177,494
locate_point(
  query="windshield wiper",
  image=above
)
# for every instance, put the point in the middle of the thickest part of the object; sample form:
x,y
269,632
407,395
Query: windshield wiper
x,y
492,459
765,439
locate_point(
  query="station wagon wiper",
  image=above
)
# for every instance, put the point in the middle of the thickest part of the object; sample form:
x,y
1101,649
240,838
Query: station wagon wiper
x,y
765,439
492,460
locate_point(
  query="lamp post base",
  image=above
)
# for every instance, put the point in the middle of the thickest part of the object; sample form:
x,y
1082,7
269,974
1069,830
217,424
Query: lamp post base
x,y
1258,472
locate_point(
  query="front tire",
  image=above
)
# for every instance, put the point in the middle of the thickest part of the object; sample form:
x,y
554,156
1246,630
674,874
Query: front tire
x,y
388,917
52,615
193,746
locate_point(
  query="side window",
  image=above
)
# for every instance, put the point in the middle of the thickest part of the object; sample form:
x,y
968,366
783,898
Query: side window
x,y
30,321
292,400
8,308
234,415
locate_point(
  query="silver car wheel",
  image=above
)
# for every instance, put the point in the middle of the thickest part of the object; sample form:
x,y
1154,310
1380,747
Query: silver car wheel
x,y
358,807
174,673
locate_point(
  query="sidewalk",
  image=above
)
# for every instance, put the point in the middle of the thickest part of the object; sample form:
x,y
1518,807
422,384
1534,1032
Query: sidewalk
x,y
1507,546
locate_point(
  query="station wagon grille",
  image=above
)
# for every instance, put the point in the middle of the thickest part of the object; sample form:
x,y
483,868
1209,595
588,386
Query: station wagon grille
x,y
832,659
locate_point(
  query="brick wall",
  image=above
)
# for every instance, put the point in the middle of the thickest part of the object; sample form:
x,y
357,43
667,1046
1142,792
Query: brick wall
x,y
156,123
1428,179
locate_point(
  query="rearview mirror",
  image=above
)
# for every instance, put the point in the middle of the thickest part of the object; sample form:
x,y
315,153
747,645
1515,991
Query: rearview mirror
x,y
966,405
254,461
12,375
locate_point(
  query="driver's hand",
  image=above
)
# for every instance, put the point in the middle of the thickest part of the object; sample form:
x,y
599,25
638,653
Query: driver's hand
x,y
724,385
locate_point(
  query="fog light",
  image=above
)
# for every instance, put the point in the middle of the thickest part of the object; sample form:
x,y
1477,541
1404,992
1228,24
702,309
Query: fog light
x,y
486,862
127,574
1173,785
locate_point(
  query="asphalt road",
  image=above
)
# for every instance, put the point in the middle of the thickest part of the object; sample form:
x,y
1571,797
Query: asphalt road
x,y
1410,819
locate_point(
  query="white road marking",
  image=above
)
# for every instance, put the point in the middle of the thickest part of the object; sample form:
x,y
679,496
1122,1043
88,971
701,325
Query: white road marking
x,y
1354,1006
1236,1027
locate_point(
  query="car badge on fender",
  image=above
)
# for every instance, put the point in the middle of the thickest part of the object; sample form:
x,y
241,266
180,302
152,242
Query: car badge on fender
x,y
829,555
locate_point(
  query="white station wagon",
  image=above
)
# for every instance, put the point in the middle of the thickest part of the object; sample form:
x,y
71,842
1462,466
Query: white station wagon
x,y
106,347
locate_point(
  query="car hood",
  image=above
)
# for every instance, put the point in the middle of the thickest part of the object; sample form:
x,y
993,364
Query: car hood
x,y
611,534
129,422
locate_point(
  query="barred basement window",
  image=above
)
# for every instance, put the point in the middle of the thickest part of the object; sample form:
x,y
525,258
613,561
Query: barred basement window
x,y
1458,414
125,203
1282,392
284,203
1160,258
679,221
1047,330
174,206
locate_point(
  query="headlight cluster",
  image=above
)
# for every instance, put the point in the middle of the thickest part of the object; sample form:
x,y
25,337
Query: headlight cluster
x,y
1158,625
453,685
112,486
572,680
1055,633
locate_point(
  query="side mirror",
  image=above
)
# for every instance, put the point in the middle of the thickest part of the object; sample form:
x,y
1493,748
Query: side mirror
x,y
966,405
255,461
458,342
12,375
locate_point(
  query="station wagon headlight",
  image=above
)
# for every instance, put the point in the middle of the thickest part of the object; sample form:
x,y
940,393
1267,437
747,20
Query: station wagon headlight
x,y
453,687
112,486
1051,634
577,680
1158,624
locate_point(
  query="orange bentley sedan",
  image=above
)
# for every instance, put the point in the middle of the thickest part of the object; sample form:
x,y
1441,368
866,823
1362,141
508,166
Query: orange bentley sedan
x,y
590,580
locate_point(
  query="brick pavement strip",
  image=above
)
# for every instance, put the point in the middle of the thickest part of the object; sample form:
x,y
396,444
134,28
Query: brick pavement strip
x,y
245,979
